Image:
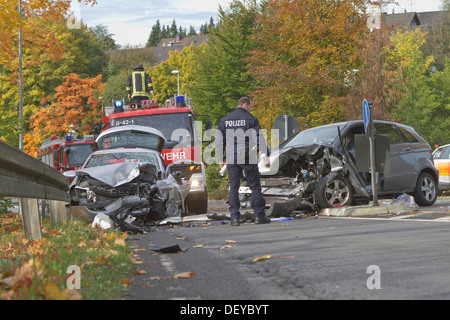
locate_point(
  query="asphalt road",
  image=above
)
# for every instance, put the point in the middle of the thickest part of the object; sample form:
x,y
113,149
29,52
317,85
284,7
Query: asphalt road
x,y
314,258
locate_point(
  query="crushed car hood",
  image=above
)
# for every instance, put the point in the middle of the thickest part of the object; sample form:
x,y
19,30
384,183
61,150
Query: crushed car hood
x,y
280,157
116,174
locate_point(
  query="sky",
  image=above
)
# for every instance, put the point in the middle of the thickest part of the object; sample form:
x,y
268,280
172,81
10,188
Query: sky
x,y
131,21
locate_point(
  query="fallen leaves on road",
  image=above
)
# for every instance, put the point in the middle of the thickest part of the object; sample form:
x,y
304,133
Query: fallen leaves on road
x,y
184,275
227,246
266,257
140,272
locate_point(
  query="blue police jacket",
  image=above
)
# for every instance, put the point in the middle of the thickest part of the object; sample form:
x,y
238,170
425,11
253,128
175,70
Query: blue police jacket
x,y
241,139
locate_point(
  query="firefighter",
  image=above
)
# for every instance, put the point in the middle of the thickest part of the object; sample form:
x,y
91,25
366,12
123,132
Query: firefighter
x,y
139,85
240,143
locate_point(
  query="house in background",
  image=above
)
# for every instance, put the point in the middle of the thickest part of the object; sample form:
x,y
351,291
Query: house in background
x,y
426,21
166,45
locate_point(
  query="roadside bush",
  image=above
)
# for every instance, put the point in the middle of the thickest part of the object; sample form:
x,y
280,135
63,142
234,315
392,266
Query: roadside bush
x,y
216,184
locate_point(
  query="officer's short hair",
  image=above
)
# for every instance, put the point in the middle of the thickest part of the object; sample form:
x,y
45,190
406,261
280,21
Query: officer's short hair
x,y
242,101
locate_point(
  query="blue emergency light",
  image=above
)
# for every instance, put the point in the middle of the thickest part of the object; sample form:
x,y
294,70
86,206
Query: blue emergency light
x,y
118,104
180,102
68,138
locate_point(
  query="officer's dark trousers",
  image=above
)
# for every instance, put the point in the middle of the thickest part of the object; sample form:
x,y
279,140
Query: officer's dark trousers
x,y
235,173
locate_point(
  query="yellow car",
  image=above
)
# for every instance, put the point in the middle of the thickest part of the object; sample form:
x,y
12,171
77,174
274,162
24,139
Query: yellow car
x,y
441,158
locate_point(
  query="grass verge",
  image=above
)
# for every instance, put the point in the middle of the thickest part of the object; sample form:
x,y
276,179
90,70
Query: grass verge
x,y
68,257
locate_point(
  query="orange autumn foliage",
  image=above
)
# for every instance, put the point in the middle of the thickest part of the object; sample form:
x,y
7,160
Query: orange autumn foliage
x,y
75,109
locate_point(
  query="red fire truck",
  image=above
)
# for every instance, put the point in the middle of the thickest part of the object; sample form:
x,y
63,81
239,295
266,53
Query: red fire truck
x,y
66,154
176,120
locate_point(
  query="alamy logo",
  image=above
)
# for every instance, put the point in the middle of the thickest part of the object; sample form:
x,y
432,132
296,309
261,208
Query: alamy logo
x,y
74,20
74,280
374,281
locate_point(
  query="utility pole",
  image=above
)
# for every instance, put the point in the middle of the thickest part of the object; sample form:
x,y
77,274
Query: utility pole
x,y
20,80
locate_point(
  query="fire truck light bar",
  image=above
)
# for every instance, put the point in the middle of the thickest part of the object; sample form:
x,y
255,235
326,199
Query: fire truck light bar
x,y
149,103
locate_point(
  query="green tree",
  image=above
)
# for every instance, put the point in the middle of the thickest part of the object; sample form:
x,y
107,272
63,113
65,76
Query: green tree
x,y
192,31
104,37
165,83
173,29
155,35
221,75
427,106
425,96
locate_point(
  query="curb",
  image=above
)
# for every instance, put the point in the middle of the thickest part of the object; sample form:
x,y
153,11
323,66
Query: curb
x,y
367,210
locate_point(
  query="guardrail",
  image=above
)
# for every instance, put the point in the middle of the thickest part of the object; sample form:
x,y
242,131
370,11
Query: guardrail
x,y
29,179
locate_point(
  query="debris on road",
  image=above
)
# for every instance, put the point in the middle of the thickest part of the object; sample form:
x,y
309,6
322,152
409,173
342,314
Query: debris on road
x,y
168,249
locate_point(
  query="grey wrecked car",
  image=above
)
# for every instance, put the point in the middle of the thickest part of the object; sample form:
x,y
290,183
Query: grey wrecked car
x,y
324,166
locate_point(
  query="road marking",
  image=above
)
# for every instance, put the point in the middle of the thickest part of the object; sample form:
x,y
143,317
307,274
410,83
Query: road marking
x,y
168,264
404,218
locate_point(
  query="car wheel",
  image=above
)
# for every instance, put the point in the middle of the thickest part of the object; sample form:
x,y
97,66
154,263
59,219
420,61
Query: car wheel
x,y
426,191
334,190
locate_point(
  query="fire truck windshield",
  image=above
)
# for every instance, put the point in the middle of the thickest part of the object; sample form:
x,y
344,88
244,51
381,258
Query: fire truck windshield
x,y
167,123
78,153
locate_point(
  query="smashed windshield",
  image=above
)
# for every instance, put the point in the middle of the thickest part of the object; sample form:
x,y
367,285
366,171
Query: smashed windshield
x,y
317,135
98,160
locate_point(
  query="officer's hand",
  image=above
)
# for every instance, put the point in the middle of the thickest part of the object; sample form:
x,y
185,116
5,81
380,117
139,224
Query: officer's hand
x,y
267,162
222,164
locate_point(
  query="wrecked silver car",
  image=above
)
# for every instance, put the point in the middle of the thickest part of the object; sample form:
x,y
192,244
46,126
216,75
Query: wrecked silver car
x,y
128,178
323,167
128,182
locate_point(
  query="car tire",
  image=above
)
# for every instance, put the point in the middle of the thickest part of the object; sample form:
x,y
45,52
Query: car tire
x,y
334,190
426,190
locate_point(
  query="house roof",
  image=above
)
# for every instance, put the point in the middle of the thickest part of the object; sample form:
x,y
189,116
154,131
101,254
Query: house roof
x,y
178,43
423,20
401,20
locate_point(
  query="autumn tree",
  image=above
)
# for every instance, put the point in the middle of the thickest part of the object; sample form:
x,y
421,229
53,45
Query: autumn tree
x,y
305,52
43,47
75,109
377,77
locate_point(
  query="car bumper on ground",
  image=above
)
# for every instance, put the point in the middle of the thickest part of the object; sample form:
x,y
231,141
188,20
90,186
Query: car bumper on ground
x,y
280,201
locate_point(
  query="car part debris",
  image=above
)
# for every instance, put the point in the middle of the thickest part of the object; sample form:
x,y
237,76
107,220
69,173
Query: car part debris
x,y
168,249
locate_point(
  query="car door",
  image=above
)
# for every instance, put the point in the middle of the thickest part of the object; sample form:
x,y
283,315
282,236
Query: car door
x,y
402,175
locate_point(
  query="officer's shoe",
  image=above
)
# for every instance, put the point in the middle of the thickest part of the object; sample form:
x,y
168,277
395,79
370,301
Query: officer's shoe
x,y
235,222
262,220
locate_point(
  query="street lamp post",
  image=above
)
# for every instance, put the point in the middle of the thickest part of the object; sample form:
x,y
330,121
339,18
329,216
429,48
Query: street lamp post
x,y
178,80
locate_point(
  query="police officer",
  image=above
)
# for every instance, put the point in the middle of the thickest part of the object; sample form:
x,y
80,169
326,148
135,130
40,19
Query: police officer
x,y
139,85
240,143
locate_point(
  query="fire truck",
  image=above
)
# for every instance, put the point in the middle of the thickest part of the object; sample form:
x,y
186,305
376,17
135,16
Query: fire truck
x,y
176,120
68,153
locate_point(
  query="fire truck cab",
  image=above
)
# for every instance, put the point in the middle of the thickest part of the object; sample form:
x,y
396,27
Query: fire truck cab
x,y
176,120
66,154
